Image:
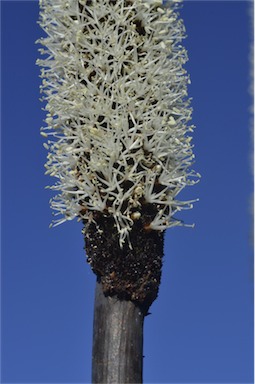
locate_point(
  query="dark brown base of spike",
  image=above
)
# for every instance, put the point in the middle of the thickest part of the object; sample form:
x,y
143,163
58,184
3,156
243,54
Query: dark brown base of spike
x,y
130,274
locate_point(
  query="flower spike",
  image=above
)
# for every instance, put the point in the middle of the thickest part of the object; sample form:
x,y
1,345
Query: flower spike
x,y
117,110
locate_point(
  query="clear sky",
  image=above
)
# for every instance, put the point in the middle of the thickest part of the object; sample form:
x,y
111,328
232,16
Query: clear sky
x,y
201,326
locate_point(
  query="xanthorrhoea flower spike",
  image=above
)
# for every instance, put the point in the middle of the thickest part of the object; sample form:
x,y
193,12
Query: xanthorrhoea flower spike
x,y
118,113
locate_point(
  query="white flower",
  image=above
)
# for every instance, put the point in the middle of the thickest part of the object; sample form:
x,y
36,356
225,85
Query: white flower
x,y
115,92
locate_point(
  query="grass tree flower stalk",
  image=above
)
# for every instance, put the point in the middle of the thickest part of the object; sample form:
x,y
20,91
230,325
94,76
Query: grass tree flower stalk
x,y
118,139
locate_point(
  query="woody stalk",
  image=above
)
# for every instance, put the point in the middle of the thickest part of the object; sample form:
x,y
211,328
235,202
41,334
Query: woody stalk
x,y
118,139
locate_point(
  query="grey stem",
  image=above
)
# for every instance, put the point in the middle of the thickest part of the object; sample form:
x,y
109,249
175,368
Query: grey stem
x,y
117,340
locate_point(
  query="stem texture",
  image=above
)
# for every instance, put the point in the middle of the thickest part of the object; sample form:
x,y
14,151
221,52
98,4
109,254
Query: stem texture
x,y
117,340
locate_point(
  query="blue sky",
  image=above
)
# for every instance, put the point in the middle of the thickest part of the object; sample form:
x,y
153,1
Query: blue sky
x,y
201,326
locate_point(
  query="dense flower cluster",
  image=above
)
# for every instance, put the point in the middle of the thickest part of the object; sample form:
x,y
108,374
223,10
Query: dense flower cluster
x,y
118,112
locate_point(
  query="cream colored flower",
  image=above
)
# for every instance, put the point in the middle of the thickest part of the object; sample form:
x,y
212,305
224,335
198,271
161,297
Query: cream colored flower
x,y
116,95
